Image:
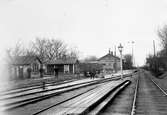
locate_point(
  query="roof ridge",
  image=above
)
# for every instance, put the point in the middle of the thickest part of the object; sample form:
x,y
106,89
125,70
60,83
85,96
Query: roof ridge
x,y
108,55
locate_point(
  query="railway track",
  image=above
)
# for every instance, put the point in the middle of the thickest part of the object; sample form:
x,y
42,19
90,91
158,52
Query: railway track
x,y
31,91
33,87
151,99
91,102
137,95
39,102
39,85
39,88
22,100
142,97
34,108
122,103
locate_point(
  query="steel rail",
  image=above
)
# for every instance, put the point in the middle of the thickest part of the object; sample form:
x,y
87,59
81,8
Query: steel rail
x,y
159,87
36,113
135,97
104,103
38,85
16,95
36,99
97,102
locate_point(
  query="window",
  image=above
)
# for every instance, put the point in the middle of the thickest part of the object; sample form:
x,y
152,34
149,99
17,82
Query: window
x,y
66,69
35,67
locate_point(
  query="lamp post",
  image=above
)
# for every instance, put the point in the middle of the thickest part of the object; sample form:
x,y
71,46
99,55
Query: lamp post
x,y
120,47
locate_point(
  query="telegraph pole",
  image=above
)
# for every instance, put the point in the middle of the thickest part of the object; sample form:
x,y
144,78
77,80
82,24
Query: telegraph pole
x,y
115,53
154,47
115,63
155,62
133,59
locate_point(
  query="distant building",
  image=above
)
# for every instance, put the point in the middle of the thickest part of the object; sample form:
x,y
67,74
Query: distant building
x,y
90,67
110,62
25,66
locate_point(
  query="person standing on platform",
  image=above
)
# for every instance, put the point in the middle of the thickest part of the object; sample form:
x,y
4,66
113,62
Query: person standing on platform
x,y
43,85
56,72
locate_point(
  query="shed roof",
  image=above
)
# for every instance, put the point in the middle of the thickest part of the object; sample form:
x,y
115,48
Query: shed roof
x,y
24,60
64,61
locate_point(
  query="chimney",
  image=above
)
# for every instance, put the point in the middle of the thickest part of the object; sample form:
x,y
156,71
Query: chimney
x,y
112,53
115,51
109,51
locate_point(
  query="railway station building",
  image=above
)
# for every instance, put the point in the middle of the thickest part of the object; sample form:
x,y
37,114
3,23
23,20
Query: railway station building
x,y
110,62
25,67
62,66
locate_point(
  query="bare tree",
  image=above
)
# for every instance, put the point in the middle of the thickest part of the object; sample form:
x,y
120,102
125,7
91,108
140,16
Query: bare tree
x,y
59,48
128,61
90,58
14,52
50,53
45,49
39,47
49,49
159,61
162,33
55,49
30,51
73,53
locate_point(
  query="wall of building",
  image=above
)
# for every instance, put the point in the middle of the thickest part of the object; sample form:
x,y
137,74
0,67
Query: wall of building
x,y
20,71
62,68
110,65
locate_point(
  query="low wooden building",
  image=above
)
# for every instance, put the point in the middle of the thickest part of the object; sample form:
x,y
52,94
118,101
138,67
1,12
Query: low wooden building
x,y
62,66
25,66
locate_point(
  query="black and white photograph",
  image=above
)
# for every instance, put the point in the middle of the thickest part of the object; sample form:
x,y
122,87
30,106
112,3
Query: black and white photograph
x,y
83,57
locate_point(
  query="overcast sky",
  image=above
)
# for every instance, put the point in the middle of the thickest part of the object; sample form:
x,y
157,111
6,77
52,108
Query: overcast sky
x,y
93,26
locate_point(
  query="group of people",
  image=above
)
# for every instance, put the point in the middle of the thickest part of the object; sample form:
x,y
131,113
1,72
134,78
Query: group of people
x,y
91,75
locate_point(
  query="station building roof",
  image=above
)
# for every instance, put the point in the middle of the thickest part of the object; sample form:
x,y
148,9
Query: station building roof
x,y
109,56
25,60
63,61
